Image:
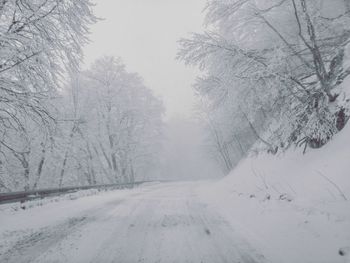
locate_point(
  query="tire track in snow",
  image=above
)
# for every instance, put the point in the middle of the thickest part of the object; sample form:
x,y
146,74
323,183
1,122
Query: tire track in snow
x,y
166,224
33,245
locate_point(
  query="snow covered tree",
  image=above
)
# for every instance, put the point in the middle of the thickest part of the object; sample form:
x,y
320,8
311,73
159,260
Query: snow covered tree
x,y
279,63
115,132
40,41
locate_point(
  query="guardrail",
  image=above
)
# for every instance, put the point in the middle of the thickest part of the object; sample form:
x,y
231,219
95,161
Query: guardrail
x,y
12,197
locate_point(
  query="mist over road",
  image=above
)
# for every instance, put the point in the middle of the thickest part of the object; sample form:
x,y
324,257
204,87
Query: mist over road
x,y
155,223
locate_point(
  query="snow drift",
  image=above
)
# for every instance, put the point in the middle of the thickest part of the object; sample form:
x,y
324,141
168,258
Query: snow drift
x,y
294,206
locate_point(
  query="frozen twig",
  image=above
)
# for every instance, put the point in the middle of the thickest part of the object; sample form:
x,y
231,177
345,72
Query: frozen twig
x,y
334,184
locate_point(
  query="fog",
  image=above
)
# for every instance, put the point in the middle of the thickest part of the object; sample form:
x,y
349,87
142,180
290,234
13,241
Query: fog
x,y
184,156
144,33
126,138
132,30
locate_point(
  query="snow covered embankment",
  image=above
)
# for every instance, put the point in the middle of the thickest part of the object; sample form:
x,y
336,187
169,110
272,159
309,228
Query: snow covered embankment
x,y
294,207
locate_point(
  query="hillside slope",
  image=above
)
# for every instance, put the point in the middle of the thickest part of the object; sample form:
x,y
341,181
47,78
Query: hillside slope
x,y
294,207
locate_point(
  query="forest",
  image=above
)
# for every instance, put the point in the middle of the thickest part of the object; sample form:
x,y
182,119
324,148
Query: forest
x,y
271,75
61,125
174,131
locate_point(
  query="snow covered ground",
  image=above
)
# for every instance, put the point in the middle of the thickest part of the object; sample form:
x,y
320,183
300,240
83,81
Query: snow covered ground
x,y
292,207
153,223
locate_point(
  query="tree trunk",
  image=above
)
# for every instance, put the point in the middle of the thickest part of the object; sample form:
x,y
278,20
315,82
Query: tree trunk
x,y
106,173
66,154
92,177
239,145
63,169
2,184
25,165
40,167
255,131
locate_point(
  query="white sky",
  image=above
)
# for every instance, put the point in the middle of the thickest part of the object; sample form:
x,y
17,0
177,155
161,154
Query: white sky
x,y
144,34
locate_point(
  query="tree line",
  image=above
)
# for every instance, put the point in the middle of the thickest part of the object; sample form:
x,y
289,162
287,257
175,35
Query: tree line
x,y
272,74
60,125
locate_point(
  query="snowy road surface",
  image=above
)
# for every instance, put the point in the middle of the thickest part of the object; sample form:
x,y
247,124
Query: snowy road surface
x,y
154,223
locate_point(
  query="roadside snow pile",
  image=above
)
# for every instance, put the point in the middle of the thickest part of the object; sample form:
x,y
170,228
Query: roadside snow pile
x,y
26,225
294,207
17,206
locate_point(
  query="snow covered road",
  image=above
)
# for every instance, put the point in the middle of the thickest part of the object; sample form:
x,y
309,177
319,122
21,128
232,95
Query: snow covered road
x,y
155,223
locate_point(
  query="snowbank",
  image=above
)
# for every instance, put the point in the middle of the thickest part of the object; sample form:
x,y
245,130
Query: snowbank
x,y
294,207
20,223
